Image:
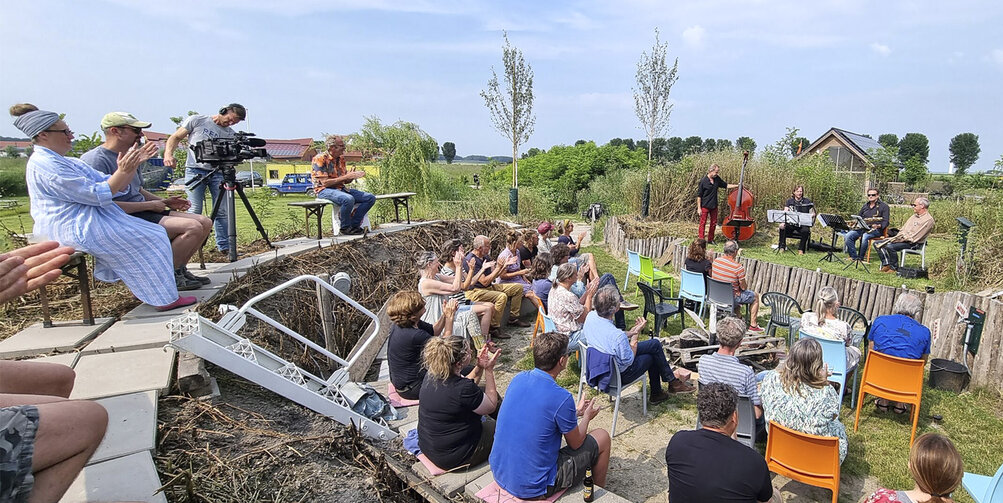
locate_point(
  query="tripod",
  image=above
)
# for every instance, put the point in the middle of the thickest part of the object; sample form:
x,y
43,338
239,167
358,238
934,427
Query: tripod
x,y
227,187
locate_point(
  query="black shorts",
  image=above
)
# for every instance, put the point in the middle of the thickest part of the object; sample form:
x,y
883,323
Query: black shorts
x,y
572,463
151,216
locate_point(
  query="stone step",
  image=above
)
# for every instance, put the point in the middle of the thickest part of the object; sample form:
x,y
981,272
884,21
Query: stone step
x,y
129,478
573,494
451,483
148,311
132,425
132,334
112,374
63,336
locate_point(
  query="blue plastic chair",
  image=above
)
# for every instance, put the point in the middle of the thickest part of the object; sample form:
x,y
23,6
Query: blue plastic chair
x,y
834,355
633,266
548,324
984,489
693,287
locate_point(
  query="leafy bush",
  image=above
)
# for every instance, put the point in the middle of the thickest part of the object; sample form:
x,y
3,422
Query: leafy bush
x,y
12,182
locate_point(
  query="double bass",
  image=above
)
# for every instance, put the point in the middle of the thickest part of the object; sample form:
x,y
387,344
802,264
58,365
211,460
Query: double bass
x,y
739,225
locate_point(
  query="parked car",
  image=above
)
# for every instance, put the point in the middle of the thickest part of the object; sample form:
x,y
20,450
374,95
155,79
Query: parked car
x,y
293,183
250,179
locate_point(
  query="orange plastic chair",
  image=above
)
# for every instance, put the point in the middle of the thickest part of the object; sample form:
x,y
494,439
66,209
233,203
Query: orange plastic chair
x,y
810,459
538,327
892,378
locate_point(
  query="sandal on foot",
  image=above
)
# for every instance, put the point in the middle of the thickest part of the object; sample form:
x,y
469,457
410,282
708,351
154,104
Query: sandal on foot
x,y
882,407
898,409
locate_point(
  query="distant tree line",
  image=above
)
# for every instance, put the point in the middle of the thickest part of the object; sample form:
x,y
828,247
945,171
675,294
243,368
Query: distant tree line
x,y
665,150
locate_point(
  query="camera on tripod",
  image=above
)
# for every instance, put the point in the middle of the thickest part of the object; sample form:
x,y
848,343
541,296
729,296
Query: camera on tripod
x,y
229,150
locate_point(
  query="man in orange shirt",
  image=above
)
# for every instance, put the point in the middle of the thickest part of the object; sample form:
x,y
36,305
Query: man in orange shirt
x,y
727,268
330,179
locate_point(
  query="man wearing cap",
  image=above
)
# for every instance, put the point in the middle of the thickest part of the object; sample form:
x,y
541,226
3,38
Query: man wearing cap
x,y
186,231
203,127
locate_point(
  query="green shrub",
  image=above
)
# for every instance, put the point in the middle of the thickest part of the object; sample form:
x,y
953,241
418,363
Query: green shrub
x,y
12,181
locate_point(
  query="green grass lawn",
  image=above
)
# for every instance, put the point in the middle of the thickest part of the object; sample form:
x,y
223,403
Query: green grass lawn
x,y
880,448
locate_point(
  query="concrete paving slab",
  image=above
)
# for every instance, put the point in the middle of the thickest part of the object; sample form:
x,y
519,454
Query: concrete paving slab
x,y
129,478
244,264
148,311
113,374
131,334
62,336
451,483
574,493
132,425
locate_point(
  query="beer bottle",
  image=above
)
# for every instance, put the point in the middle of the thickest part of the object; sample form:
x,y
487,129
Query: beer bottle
x,y
589,491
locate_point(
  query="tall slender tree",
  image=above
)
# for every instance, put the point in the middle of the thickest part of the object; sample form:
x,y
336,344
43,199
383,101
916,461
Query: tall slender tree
x,y
511,108
651,100
964,151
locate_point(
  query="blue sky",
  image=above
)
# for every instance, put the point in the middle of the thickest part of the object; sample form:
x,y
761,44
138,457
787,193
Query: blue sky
x,y
308,67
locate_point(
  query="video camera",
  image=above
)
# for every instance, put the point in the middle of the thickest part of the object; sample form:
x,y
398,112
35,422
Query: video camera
x,y
229,150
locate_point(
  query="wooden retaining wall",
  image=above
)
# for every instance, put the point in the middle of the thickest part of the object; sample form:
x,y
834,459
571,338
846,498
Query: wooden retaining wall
x,y
871,299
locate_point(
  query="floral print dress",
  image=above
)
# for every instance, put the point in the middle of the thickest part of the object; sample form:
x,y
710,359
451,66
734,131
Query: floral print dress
x,y
814,411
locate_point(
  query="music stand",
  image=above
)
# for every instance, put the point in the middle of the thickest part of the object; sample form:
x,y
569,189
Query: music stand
x,y
858,262
782,217
837,224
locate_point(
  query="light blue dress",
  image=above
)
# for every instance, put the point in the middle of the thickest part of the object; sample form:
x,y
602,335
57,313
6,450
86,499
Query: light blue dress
x,y
72,203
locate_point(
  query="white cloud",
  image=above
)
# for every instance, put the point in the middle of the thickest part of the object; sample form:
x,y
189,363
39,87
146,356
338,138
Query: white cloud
x,y
881,49
997,56
694,35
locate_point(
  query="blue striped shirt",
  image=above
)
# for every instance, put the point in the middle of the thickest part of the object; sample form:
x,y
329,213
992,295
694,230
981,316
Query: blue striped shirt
x,y
72,203
726,369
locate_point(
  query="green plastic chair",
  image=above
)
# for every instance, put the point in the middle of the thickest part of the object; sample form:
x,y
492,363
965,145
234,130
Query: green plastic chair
x,y
650,275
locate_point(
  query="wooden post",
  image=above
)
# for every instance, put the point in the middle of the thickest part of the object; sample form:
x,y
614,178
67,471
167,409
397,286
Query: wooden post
x,y
325,304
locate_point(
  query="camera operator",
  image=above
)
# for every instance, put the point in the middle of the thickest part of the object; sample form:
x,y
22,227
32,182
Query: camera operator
x,y
186,231
330,181
197,128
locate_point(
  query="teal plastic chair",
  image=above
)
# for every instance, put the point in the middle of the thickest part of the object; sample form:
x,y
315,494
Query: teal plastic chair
x,y
633,266
650,275
834,355
693,287
984,489
548,324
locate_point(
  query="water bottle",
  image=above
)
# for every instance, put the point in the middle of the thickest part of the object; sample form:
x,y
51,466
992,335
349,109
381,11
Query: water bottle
x,y
589,491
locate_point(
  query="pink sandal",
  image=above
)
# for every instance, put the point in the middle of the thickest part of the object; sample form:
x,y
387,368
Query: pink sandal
x,y
181,302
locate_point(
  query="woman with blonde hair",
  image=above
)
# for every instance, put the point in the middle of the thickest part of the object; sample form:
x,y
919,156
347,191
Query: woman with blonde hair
x,y
935,466
798,396
824,323
408,336
72,203
451,429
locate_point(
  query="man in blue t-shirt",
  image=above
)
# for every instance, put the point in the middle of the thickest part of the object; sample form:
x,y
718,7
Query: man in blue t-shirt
x,y
527,458
899,334
186,231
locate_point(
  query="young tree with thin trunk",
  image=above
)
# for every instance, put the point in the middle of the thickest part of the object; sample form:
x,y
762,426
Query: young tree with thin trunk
x,y
964,150
651,99
511,108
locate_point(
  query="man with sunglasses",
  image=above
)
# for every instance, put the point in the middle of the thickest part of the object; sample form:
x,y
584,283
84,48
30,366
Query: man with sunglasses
x,y
875,213
186,231
912,235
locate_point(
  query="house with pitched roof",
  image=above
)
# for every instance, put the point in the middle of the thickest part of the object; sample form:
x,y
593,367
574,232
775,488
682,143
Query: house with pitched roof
x,y
848,151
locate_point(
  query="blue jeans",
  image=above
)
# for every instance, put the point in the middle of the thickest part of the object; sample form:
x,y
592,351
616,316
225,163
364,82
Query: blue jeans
x,y
346,199
851,240
650,358
197,198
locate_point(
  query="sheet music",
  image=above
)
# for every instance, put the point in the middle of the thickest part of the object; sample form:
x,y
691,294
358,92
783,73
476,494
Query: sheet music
x,y
791,217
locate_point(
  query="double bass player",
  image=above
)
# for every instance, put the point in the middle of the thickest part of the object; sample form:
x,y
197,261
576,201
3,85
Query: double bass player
x,y
707,200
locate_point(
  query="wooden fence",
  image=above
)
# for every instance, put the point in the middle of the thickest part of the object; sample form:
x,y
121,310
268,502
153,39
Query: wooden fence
x,y
871,299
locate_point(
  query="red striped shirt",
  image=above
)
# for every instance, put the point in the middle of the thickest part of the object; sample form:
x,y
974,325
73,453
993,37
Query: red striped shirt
x,y
728,269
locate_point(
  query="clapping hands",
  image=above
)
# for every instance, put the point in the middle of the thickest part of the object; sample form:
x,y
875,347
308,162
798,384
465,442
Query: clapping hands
x,y
587,408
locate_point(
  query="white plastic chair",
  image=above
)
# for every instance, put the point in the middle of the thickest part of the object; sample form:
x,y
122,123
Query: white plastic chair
x,y
615,385
336,216
921,251
746,431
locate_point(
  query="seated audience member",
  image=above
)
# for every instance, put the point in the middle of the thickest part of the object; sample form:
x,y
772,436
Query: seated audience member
x,y
514,272
724,367
936,468
408,335
698,259
543,242
72,203
450,428
824,323
528,249
540,274
708,464
483,287
799,396
564,229
568,310
436,289
25,269
187,231
527,458
911,237
875,213
330,181
635,358
587,272
727,268
900,334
